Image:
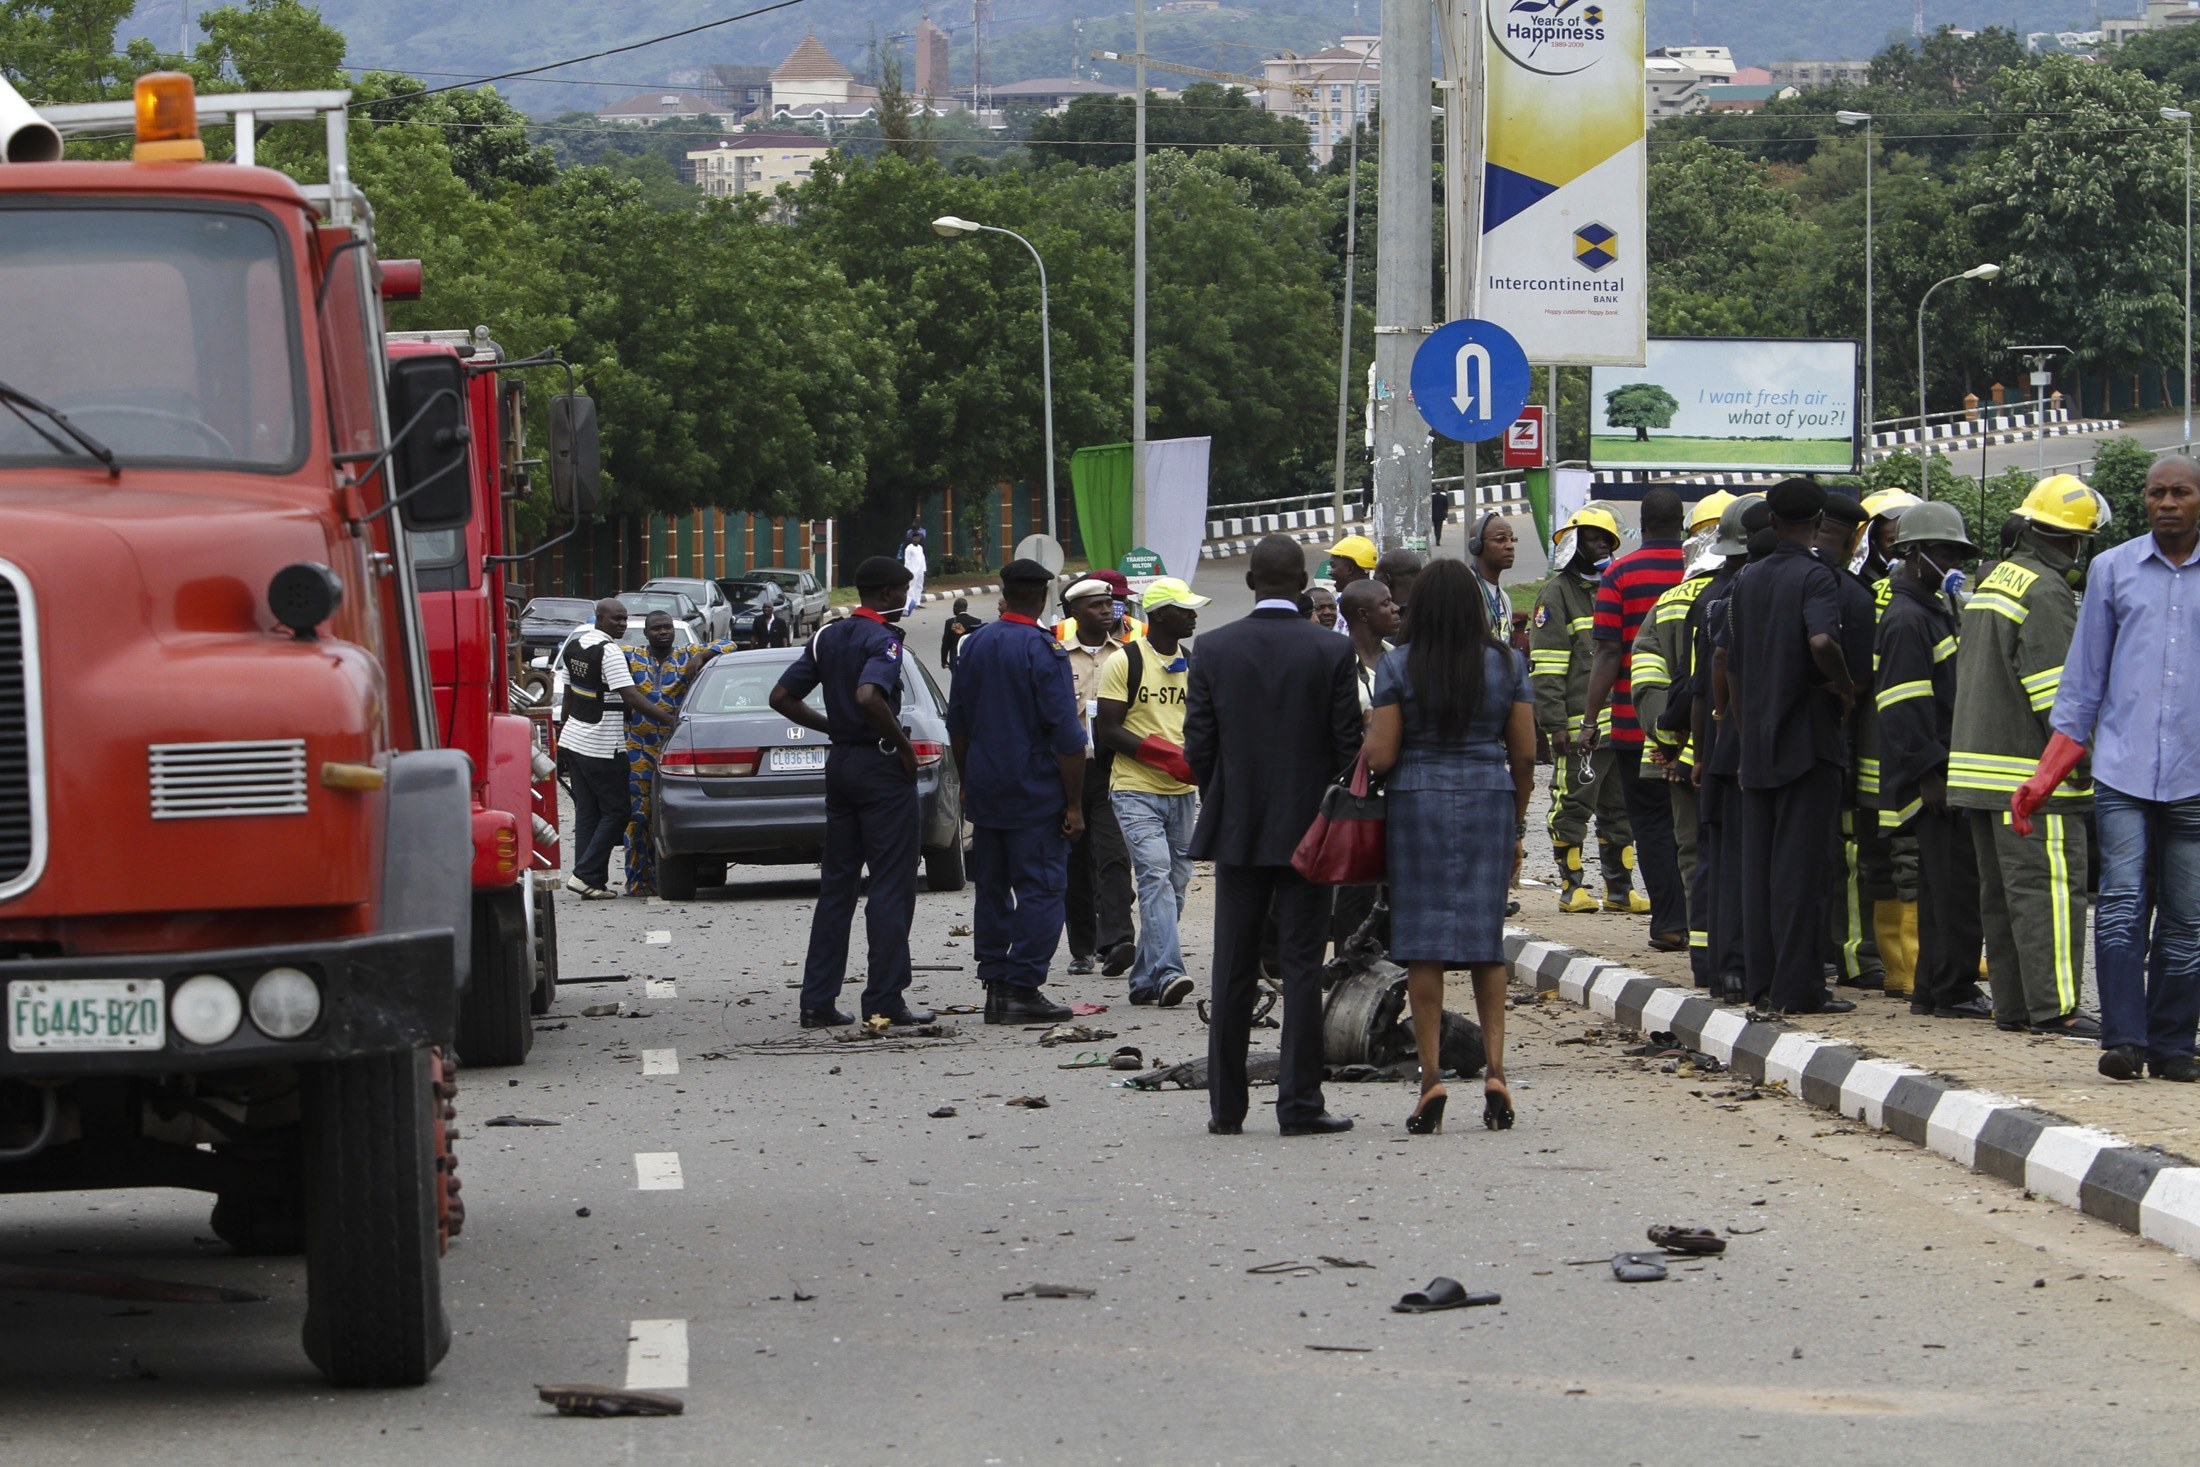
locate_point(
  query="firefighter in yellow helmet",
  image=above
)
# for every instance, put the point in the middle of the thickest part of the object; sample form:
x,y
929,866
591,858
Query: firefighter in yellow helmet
x,y
1561,649
2016,632
1884,871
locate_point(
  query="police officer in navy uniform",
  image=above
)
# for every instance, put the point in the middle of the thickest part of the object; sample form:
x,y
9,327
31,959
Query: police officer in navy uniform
x,y
870,800
1020,750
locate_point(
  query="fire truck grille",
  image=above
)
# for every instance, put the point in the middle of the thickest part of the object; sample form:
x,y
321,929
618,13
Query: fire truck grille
x,y
18,811
208,781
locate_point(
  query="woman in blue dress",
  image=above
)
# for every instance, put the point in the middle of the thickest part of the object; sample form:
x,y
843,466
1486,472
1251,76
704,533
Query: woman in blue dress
x,y
1453,729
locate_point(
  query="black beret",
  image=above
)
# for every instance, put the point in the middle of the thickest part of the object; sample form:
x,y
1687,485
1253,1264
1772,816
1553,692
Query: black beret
x,y
1025,573
1763,543
881,571
1844,509
1757,515
1796,499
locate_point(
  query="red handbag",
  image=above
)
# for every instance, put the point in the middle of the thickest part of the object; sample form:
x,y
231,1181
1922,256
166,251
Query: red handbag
x,y
1344,845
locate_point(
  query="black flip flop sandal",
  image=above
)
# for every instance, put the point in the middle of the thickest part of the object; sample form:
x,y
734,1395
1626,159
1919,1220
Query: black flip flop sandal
x,y
1700,1241
1441,1293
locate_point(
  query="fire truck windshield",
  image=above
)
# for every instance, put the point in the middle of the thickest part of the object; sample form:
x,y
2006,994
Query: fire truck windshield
x,y
168,333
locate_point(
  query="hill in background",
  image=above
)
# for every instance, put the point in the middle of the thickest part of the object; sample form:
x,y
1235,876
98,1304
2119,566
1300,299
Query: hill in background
x,y
1027,38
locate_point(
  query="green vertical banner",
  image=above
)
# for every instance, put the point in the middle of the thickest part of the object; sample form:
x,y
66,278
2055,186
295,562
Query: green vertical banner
x,y
1100,480
1538,482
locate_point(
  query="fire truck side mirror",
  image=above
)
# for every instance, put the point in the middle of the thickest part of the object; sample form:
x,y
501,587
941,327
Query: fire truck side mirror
x,y
576,459
428,406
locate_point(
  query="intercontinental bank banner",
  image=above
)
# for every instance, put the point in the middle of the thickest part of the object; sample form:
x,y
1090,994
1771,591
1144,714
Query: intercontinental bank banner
x,y
1562,264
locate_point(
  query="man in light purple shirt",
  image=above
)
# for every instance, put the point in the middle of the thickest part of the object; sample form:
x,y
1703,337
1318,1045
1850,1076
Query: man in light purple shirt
x,y
2130,693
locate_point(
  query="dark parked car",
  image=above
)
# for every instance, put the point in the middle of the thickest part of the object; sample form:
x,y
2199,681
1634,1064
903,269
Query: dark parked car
x,y
750,598
737,782
809,600
546,621
708,598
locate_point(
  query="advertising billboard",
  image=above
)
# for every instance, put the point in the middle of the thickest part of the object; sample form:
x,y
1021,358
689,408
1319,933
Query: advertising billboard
x,y
1562,262
1728,403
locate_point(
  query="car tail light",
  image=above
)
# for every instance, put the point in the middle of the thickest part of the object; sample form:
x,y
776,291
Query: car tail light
x,y
694,763
927,751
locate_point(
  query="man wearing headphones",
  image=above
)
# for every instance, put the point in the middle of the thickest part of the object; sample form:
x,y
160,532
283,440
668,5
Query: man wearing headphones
x,y
1490,551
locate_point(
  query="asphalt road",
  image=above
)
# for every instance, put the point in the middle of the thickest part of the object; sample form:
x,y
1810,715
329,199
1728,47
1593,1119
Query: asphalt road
x,y
780,1229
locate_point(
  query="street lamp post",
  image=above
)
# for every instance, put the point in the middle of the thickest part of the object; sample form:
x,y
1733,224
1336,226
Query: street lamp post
x,y
1976,272
1851,119
2184,370
951,227
1351,257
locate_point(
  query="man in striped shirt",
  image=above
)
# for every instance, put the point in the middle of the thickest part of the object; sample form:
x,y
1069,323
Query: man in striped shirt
x,y
1632,585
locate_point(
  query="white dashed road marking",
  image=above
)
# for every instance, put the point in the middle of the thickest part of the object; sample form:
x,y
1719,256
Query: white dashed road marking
x,y
660,1062
662,937
657,1171
657,1355
659,988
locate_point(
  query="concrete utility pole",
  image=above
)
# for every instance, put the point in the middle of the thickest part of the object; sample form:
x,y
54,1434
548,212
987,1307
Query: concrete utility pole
x,y
1402,264
1138,299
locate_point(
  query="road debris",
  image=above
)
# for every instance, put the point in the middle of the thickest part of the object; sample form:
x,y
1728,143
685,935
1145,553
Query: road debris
x,y
1697,1241
942,1113
520,1121
1638,1268
1291,1269
1129,1057
1344,1349
1074,1034
595,1400
602,1010
1030,1102
127,1286
1051,1291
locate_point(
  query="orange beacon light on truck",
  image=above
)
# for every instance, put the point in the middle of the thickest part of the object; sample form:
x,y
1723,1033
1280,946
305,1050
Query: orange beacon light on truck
x,y
167,120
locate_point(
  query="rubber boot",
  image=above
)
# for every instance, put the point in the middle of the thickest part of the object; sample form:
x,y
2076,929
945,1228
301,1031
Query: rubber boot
x,y
1896,925
1619,880
1573,893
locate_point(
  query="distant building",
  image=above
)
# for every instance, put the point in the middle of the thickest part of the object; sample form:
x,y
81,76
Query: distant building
x,y
746,89
1343,84
932,78
1052,94
1750,76
2068,43
811,86
755,162
2158,15
1735,97
1820,73
1674,78
644,108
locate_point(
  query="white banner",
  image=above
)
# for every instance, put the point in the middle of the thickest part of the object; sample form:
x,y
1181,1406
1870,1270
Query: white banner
x,y
1562,263
1176,502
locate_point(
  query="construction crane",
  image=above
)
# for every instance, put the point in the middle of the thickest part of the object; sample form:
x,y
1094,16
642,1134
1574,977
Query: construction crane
x,y
1234,78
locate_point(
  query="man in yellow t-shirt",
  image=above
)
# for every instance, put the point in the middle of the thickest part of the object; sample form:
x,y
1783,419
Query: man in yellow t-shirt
x,y
1141,720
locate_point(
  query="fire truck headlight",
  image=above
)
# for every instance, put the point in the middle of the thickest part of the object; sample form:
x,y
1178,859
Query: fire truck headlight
x,y
285,1003
205,1009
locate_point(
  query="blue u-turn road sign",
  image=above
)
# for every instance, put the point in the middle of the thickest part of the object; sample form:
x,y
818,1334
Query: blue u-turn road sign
x,y
1470,380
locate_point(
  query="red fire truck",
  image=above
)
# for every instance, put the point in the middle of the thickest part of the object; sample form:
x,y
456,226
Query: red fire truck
x,y
468,631
235,859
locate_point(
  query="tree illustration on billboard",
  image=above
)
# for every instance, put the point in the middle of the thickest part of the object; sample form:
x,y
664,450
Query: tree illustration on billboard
x,y
1640,406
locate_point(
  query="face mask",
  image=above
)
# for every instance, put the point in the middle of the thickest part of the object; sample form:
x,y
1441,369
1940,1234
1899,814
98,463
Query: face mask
x,y
1952,582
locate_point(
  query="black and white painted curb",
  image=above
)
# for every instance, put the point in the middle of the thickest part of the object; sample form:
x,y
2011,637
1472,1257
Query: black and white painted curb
x,y
2140,1189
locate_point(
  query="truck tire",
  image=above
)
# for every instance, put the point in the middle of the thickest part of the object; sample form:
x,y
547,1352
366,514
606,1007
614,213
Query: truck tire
x,y
259,1226
676,878
374,1285
494,1025
943,868
545,992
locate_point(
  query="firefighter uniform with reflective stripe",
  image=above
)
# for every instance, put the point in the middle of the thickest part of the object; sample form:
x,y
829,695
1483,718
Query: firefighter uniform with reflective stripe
x,y
1561,649
1850,928
1663,669
1915,703
2016,633
1886,852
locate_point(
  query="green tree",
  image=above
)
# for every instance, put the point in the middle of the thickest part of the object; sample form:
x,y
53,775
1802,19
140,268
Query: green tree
x,y
487,135
2085,211
1098,132
2120,467
1640,406
2169,55
1724,248
63,51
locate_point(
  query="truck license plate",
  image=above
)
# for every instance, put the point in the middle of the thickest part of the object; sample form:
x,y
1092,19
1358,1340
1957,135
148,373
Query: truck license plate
x,y
87,1013
797,761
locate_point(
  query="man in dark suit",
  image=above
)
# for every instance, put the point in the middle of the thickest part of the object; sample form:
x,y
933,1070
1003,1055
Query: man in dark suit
x,y
1272,716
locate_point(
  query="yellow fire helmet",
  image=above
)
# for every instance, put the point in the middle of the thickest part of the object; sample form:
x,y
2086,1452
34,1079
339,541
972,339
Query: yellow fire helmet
x,y
1705,516
2063,503
1889,501
1590,515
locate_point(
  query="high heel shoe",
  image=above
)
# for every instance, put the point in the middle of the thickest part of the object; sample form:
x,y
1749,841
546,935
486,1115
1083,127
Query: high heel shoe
x,y
1497,1110
1428,1117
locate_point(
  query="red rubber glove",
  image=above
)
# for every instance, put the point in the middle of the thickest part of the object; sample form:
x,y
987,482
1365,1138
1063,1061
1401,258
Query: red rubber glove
x,y
2056,761
1159,753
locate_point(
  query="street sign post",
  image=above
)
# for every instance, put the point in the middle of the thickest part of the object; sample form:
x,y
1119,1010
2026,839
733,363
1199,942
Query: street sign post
x,y
1141,567
1524,439
1470,380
